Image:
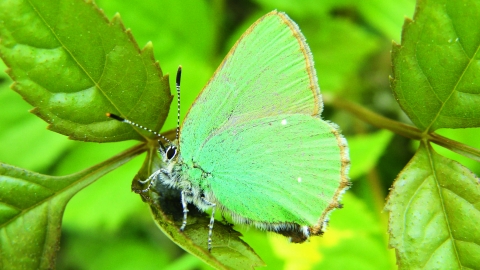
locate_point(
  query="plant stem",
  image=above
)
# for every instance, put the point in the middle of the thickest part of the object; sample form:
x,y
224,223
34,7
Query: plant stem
x,y
400,128
455,146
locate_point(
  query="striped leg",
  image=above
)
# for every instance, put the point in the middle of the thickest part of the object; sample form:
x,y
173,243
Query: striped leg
x,y
210,225
185,209
149,180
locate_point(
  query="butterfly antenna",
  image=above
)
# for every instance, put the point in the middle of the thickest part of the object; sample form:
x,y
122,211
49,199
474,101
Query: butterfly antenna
x,y
121,119
177,81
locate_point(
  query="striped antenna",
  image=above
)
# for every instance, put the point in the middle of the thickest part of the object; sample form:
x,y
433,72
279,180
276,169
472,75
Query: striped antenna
x,y
177,81
121,119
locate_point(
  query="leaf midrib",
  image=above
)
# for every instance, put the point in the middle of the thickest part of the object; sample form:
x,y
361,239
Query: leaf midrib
x,y
454,89
444,212
78,179
77,62
46,199
69,52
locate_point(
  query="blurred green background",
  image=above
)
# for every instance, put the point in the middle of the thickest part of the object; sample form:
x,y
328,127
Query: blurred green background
x,y
108,226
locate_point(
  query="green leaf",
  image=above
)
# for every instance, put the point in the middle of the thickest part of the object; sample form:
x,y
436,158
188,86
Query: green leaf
x,y
74,65
338,58
228,250
435,69
468,136
3,77
386,16
91,209
434,213
123,250
31,208
365,150
183,34
21,133
354,239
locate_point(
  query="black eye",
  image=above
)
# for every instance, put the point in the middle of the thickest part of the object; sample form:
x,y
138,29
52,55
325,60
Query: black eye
x,y
171,152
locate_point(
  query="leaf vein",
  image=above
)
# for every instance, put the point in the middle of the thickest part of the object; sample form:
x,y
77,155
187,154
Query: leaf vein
x,y
70,53
407,207
444,212
431,254
470,61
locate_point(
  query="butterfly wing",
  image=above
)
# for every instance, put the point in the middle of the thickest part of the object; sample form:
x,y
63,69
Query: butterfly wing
x,y
268,72
246,128
277,169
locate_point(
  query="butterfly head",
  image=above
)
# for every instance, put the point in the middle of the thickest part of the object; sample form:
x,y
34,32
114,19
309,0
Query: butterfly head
x,y
169,152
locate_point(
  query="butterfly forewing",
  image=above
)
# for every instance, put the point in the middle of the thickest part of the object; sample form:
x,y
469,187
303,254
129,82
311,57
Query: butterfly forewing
x,y
268,72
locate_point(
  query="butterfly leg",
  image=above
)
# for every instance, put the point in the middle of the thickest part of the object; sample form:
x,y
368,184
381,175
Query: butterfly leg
x,y
210,228
149,180
212,220
184,195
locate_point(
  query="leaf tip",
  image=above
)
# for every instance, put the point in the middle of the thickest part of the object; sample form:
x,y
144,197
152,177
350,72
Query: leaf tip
x,y
116,18
147,50
148,46
117,22
407,22
393,81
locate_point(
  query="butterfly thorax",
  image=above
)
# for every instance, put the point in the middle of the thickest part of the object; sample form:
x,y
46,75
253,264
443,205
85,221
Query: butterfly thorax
x,y
188,177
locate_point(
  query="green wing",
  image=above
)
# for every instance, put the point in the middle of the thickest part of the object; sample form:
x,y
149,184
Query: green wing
x,y
268,72
263,169
285,168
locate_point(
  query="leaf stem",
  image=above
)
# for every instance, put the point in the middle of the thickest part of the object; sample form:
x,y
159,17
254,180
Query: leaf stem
x,y
459,148
373,118
400,128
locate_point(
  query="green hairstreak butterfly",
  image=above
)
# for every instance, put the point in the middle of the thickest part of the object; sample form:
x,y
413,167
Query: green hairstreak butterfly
x,y
254,145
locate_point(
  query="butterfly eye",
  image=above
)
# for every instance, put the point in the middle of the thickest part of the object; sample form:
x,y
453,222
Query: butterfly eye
x,y
171,152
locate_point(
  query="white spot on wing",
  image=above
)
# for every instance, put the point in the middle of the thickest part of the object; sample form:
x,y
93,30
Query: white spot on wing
x,y
299,179
284,122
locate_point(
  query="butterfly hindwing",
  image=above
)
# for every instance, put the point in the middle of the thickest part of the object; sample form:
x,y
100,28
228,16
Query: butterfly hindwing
x,y
278,169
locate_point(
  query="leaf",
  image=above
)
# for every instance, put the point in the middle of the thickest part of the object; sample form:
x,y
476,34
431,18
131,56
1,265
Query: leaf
x,y
183,34
74,65
123,250
435,69
434,212
354,239
91,209
21,133
365,150
383,16
228,250
386,16
468,136
338,58
31,208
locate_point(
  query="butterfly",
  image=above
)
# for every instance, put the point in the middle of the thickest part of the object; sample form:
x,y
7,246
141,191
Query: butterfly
x,y
253,144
